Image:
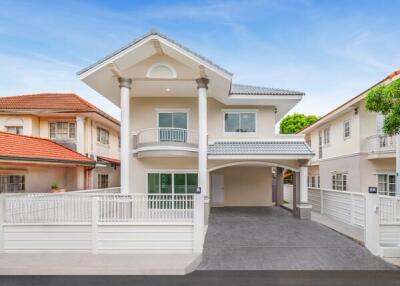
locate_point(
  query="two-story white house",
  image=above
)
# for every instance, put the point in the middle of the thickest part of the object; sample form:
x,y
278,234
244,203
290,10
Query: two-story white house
x,y
351,151
186,127
69,120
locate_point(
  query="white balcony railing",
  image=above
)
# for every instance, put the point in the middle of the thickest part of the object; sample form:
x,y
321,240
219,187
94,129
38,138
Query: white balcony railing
x,y
165,135
381,144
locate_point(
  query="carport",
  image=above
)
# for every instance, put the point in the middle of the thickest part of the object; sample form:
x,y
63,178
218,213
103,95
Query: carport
x,y
270,238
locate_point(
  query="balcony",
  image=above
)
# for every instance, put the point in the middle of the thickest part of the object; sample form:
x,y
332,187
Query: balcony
x,y
165,142
381,146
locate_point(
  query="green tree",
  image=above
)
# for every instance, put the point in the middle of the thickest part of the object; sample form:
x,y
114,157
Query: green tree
x,y
295,122
385,99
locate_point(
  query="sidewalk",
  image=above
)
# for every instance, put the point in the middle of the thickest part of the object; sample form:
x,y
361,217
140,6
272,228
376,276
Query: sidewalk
x,y
100,264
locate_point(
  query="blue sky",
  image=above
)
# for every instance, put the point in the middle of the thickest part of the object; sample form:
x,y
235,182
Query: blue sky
x,y
331,50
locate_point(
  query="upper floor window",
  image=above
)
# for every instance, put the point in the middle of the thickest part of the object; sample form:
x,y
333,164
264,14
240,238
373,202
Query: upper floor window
x,y
15,129
346,129
62,130
103,136
339,181
320,144
327,136
239,122
12,183
173,126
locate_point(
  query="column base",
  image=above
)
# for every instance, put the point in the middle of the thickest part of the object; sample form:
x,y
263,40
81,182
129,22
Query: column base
x,y
303,211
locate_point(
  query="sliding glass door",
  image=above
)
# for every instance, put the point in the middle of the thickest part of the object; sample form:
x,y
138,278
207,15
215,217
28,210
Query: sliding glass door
x,y
172,126
178,183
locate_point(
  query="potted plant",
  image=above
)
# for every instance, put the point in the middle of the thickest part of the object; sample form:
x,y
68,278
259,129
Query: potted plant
x,y
55,188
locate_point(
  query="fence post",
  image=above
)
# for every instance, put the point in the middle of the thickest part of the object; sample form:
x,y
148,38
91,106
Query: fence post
x,y
321,195
2,215
372,220
95,221
198,223
351,209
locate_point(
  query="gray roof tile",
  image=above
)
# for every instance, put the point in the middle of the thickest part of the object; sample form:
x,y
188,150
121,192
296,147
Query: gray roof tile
x,y
259,90
259,148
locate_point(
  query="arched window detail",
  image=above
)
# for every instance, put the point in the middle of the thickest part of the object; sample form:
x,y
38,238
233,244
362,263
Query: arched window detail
x,y
161,70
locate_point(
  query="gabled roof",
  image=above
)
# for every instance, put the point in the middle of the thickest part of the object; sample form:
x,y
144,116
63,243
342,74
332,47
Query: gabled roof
x,y
29,148
241,89
59,102
267,147
351,102
137,40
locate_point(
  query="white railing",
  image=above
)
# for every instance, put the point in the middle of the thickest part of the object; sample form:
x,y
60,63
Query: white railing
x,y
389,210
165,135
342,206
381,144
78,208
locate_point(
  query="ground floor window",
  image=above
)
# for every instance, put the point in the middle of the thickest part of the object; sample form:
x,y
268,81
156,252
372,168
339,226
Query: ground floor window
x,y
339,181
12,183
102,181
171,183
387,184
313,182
318,181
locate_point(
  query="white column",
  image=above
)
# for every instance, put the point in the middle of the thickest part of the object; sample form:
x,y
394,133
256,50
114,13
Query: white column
x,y
80,134
202,85
303,184
398,164
125,156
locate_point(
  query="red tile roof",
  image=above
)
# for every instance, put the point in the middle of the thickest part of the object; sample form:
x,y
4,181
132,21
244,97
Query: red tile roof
x,y
111,160
61,102
28,148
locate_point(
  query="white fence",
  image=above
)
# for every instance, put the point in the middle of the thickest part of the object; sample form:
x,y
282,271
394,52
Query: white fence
x,y
345,207
102,222
377,216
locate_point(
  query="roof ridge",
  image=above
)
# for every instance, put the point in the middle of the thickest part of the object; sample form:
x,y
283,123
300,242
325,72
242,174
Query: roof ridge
x,y
44,139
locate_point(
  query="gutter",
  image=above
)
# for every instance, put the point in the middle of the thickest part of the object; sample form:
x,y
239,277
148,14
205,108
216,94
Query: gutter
x,y
50,160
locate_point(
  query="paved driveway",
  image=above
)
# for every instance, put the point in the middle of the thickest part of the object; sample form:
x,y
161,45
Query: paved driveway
x,y
272,239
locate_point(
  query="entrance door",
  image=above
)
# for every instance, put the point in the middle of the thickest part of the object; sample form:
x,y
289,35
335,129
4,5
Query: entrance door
x,y
217,189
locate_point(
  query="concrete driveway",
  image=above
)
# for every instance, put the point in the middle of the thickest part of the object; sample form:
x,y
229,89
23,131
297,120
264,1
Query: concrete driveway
x,y
271,238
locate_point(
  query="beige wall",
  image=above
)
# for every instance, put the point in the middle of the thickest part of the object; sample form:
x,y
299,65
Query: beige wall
x,y
113,176
246,186
144,115
39,178
29,123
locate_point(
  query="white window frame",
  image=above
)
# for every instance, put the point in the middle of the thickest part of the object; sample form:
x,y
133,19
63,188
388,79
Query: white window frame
x,y
345,137
172,172
4,176
15,128
327,139
56,128
98,127
387,183
100,180
341,181
173,110
244,134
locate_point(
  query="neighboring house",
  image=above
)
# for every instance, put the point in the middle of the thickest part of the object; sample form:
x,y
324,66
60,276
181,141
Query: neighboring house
x,y
73,122
351,151
185,126
31,164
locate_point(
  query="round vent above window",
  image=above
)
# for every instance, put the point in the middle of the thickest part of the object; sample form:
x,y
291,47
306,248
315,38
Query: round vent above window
x,y
161,70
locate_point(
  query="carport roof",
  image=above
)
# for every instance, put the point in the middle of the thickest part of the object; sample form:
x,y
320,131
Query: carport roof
x,y
267,147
